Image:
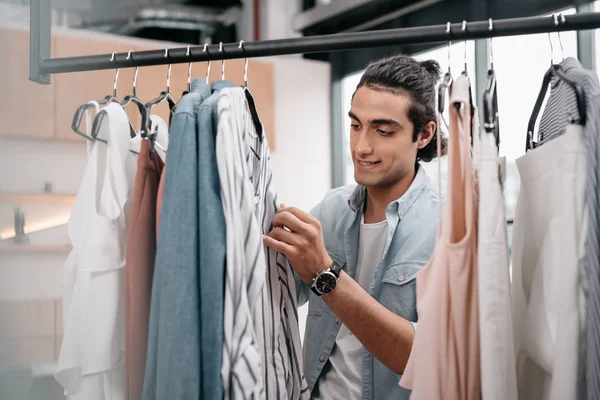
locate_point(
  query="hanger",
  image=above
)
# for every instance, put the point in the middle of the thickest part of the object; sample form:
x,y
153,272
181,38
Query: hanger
x,y
189,76
446,82
82,108
466,73
555,70
78,117
222,61
207,68
110,99
163,96
490,98
133,97
250,98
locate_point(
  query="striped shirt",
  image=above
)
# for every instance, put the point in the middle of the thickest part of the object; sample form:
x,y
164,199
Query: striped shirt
x,y
245,265
266,274
560,109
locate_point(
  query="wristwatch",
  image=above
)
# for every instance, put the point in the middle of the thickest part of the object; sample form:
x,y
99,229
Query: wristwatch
x,y
326,280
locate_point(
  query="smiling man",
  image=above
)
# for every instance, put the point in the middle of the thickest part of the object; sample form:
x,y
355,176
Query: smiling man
x,y
356,254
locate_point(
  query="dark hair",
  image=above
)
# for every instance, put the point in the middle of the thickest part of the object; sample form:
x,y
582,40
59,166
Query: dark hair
x,y
402,74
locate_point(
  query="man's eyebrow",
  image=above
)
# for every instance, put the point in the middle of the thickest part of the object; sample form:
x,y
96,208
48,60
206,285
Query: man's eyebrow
x,y
353,116
391,122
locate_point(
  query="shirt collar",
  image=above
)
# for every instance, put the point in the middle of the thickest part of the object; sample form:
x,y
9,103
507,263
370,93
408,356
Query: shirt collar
x,y
220,84
401,205
200,86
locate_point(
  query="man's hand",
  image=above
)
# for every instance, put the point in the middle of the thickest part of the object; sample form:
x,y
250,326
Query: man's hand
x,y
301,241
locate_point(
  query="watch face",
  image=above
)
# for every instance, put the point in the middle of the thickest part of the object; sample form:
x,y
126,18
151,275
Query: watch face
x,y
326,282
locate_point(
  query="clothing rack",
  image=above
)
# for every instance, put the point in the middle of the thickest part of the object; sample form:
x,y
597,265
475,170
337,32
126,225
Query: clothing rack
x,y
42,65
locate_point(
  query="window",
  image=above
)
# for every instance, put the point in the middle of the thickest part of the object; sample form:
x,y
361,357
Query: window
x,y
520,63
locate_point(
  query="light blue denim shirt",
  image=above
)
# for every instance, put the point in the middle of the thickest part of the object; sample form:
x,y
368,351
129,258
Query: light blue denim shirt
x,y
413,222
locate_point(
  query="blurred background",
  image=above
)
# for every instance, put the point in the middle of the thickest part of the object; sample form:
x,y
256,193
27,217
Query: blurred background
x,y
303,101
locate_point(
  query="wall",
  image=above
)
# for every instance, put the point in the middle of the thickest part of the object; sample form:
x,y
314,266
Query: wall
x,y
302,161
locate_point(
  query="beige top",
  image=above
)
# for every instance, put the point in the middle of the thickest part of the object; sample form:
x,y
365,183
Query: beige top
x,y
444,362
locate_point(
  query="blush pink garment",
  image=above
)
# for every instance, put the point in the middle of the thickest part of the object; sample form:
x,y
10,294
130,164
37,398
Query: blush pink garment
x,y
444,362
139,270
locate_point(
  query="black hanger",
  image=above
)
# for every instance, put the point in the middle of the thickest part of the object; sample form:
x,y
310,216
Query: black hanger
x,y
555,71
466,74
490,98
250,99
444,86
490,107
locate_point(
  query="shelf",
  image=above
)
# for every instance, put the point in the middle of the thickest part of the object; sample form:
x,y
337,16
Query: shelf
x,y
37,198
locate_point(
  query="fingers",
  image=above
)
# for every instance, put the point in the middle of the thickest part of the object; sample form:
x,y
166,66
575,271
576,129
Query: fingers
x,y
300,214
278,246
290,221
285,236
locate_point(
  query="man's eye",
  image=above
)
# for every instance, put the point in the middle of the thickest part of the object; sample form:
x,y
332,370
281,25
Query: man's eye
x,y
384,133
354,126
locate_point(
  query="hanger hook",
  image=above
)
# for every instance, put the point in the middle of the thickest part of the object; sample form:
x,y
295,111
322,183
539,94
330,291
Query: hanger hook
x,y
135,75
449,44
464,29
555,17
562,51
222,61
189,79
245,65
208,68
168,72
113,59
491,44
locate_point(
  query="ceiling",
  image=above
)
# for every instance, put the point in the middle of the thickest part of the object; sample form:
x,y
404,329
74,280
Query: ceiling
x,y
188,21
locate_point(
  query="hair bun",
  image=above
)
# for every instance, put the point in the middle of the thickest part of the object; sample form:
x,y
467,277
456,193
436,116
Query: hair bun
x,y
432,67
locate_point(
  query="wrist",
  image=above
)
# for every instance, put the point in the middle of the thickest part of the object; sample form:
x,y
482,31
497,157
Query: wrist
x,y
317,269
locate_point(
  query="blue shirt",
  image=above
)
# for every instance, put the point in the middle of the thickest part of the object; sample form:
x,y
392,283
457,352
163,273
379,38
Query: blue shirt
x,y
413,222
173,363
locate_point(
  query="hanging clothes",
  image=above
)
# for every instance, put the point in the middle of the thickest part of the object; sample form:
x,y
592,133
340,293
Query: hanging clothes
x,y
92,356
241,370
271,303
174,347
547,249
560,109
212,246
498,368
444,361
141,252
281,347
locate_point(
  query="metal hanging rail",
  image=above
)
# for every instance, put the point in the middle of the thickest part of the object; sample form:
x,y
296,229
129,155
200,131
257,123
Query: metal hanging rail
x,y
41,66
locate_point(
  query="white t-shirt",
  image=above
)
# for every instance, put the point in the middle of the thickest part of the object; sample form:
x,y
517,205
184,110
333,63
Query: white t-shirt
x,y
344,379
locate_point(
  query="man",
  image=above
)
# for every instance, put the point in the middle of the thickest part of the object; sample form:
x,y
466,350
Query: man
x,y
357,253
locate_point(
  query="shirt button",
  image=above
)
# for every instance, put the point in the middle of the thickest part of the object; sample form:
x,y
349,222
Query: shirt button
x,y
401,278
322,358
337,320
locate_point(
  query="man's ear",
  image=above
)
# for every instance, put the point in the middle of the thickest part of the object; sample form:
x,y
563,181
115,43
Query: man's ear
x,y
426,134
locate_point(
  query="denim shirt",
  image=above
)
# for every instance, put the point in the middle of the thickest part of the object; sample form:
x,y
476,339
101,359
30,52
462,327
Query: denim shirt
x,y
175,300
413,222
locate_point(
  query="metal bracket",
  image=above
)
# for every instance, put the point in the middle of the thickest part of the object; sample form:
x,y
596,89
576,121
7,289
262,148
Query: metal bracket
x,y
40,39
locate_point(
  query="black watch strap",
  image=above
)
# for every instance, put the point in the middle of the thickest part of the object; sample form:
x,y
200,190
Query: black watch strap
x,y
336,269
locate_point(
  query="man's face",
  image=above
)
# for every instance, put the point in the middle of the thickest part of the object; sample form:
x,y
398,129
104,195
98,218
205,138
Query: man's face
x,y
381,142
